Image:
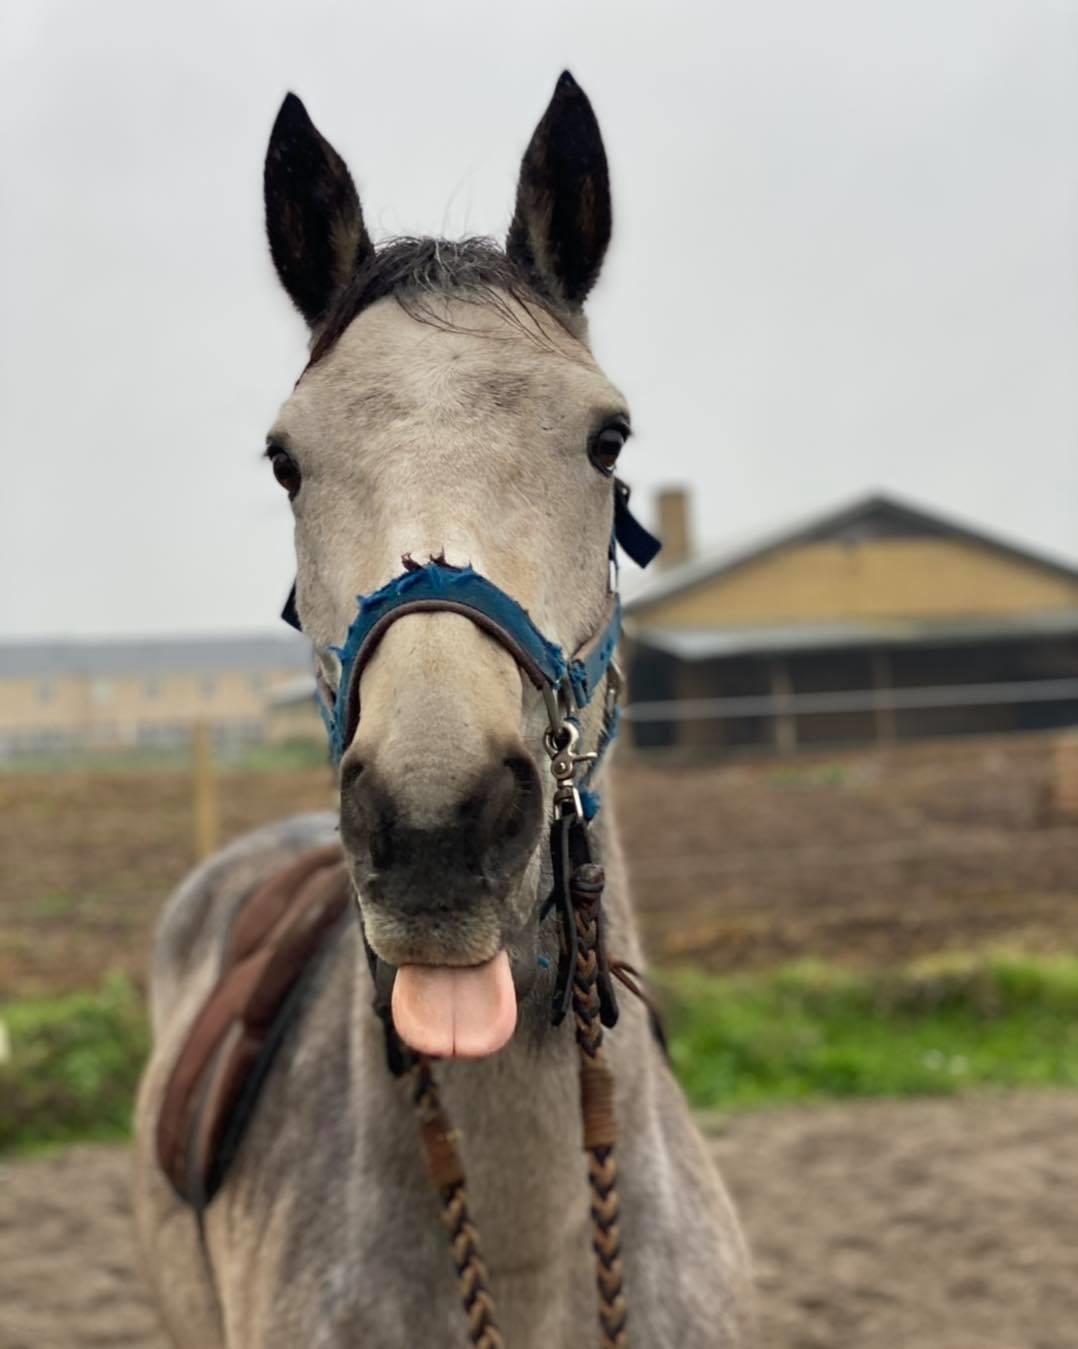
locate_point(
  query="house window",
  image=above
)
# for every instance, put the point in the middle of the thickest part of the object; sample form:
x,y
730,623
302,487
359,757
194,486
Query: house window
x,y
152,688
45,691
209,686
101,691
258,683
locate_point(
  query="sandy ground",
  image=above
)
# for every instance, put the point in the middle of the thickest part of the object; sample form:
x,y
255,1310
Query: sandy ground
x,y
925,1225
915,1225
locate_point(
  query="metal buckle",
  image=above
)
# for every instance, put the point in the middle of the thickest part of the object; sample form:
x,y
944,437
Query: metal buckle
x,y
560,742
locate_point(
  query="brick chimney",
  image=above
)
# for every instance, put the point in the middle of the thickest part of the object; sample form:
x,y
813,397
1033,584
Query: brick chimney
x,y
674,527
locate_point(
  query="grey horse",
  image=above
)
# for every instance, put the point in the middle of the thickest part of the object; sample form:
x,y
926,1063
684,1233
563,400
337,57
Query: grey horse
x,y
452,408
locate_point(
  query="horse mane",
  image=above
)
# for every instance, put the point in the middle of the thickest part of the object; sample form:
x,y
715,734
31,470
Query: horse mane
x,y
418,271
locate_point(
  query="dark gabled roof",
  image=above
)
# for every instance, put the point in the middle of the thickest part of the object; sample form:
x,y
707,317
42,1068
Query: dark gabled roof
x,y
871,517
249,654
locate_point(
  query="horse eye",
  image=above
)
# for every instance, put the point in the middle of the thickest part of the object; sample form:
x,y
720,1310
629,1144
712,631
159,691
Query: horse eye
x,y
285,470
607,445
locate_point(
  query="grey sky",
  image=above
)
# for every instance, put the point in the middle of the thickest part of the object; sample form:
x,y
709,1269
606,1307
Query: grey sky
x,y
845,257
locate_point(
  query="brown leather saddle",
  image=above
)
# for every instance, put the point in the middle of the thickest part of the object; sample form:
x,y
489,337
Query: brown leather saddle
x,y
214,1085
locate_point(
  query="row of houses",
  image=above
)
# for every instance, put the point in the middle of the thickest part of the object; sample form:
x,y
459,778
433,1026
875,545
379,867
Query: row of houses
x,y
875,621
149,693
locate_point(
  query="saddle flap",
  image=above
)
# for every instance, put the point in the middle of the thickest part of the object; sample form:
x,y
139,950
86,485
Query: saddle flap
x,y
275,937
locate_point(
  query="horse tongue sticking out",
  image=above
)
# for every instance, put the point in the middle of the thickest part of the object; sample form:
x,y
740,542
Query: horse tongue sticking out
x,y
449,1011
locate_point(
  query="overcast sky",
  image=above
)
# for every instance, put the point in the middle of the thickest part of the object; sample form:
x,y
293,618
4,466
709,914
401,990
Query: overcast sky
x,y
845,258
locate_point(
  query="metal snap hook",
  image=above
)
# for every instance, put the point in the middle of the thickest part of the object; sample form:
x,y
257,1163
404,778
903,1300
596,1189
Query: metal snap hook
x,y
559,743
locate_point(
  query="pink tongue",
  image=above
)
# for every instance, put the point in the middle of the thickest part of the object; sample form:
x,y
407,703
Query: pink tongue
x,y
455,1011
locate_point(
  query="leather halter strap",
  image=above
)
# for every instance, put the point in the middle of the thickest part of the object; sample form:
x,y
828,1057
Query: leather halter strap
x,y
438,587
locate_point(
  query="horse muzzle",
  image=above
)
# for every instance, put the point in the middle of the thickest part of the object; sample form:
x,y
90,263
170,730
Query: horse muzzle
x,y
434,883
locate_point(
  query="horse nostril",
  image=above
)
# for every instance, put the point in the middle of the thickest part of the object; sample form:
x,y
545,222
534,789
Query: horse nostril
x,y
525,787
351,772
505,808
510,811
417,843
361,806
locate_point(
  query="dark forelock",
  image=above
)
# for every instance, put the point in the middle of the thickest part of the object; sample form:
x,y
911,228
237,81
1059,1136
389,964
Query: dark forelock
x,y
417,271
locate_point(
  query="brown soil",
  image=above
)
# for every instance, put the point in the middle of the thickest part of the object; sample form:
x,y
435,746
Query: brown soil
x,y
90,858
913,1225
916,1225
870,858
940,1225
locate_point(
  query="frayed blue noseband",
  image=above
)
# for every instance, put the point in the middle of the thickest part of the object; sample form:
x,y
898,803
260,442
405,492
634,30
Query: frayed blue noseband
x,y
567,684
438,587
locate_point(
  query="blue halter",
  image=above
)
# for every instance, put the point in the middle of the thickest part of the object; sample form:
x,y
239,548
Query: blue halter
x,y
568,684
440,587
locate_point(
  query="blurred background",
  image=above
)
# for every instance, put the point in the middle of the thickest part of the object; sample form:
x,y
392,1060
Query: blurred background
x,y
842,299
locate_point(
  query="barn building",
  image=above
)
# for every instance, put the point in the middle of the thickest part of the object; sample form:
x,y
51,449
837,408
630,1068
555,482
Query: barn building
x,y
142,693
878,621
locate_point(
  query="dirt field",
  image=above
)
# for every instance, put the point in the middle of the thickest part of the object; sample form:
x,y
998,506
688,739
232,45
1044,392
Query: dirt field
x,y
924,1225
868,859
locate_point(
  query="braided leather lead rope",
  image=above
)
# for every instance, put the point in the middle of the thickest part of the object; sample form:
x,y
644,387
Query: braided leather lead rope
x,y
448,1176
446,1172
597,1111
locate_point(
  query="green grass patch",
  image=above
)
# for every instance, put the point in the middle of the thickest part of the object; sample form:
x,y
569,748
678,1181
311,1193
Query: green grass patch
x,y
59,905
809,1032
279,758
69,1066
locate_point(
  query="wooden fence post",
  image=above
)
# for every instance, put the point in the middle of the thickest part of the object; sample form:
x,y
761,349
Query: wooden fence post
x,y
205,792
1063,807
884,711
783,720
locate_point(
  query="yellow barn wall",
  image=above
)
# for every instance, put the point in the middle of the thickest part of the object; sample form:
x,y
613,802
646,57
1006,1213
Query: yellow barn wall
x,y
120,704
51,704
884,578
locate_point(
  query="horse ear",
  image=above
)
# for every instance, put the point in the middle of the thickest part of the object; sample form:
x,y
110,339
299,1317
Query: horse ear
x,y
561,225
313,216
